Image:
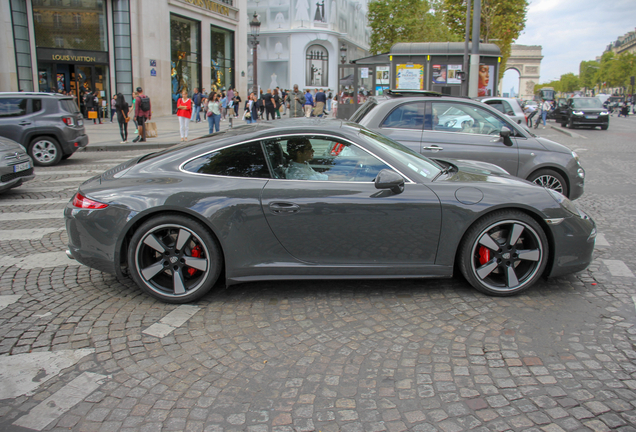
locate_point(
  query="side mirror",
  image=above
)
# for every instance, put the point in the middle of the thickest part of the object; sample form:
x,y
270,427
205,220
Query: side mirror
x,y
504,133
388,179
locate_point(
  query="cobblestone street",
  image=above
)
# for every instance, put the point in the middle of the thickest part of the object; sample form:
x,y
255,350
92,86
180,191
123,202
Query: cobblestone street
x,y
81,350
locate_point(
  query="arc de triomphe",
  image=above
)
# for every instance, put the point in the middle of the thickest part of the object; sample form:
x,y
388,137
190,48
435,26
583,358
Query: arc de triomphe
x,y
525,59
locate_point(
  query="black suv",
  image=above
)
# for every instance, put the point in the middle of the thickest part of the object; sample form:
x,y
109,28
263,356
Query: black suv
x,y
585,111
49,126
444,127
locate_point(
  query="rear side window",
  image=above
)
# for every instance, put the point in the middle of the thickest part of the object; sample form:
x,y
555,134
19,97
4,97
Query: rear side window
x,y
69,105
243,160
13,107
406,116
363,111
37,105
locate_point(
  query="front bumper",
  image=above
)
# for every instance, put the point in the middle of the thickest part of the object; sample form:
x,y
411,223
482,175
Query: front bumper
x,y
12,180
584,121
573,247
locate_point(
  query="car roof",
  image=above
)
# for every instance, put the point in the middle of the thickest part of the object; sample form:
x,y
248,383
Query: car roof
x,y
38,94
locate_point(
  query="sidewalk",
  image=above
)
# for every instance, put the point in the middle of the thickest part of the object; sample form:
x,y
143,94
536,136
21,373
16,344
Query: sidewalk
x,y
106,137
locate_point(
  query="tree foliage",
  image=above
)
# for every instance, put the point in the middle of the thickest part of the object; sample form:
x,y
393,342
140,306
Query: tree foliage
x,y
502,21
394,21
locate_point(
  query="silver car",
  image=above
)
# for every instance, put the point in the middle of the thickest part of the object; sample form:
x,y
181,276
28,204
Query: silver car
x,y
445,127
16,166
508,106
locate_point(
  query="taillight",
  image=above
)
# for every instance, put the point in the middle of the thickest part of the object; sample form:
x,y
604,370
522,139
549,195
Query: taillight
x,y
80,201
69,121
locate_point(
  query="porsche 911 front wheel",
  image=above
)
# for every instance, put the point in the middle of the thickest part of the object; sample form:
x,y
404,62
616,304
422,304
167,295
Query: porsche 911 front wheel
x,y
504,253
174,258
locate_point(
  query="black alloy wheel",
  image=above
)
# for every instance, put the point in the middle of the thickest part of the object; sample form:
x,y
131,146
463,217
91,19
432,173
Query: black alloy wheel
x,y
504,253
550,180
174,258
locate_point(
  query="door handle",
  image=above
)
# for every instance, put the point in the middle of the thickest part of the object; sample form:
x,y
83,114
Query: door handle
x,y
283,208
434,148
24,123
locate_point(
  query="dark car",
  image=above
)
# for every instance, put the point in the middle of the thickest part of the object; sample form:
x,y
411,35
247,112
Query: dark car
x,y
585,111
16,167
561,106
49,126
477,132
318,199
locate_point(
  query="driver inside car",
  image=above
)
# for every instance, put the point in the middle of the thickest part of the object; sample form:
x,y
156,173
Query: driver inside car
x,y
301,152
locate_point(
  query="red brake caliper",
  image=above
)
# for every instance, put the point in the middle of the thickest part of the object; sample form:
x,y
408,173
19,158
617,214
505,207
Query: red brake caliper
x,y
196,253
484,255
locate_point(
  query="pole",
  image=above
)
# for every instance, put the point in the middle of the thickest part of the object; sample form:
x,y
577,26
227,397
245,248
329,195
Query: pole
x,y
254,65
466,37
473,82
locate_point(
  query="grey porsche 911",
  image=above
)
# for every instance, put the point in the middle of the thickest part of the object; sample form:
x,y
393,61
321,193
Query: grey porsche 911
x,y
319,199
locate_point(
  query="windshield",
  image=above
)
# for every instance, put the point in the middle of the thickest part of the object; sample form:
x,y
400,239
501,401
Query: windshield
x,y
415,161
586,103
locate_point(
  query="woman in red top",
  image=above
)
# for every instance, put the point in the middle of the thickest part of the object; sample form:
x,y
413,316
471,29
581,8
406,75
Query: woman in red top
x,y
184,112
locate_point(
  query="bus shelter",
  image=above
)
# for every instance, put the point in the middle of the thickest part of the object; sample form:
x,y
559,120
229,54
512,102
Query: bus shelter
x,y
360,79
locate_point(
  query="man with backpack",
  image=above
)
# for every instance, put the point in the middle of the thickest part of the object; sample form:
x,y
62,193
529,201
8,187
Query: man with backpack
x,y
143,112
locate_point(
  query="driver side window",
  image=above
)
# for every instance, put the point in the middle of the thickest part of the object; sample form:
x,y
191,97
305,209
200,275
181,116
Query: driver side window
x,y
320,159
464,118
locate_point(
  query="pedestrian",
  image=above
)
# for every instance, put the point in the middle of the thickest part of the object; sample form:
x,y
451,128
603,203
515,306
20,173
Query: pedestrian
x,y
296,101
334,105
261,106
223,106
249,110
92,105
277,102
321,101
309,103
122,109
625,109
143,112
237,103
113,107
254,110
184,113
270,105
131,111
196,106
283,104
329,101
545,107
230,98
214,114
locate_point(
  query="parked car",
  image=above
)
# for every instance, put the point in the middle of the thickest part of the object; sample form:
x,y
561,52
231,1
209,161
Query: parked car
x,y
49,126
508,106
485,134
16,167
585,111
318,199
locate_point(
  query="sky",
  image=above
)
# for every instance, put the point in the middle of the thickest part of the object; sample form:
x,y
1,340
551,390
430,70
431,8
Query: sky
x,y
571,31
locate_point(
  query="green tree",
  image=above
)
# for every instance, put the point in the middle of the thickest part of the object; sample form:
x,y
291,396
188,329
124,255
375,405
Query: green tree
x,y
588,73
502,21
394,21
569,83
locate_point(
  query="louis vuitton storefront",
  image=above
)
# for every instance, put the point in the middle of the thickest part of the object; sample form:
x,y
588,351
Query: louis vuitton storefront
x,y
111,46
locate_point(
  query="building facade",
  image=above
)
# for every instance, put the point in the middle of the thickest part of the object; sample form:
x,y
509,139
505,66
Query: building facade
x,y
624,44
300,41
112,46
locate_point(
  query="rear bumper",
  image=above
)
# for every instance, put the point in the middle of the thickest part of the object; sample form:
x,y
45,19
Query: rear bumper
x,y
71,146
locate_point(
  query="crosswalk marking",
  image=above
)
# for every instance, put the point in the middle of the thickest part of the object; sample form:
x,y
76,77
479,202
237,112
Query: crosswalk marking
x,y
22,374
27,234
71,179
601,241
172,321
37,214
30,189
68,172
29,201
51,408
39,260
618,268
6,300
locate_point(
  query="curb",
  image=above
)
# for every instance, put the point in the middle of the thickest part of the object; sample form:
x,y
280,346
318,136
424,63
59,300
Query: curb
x,y
567,132
125,147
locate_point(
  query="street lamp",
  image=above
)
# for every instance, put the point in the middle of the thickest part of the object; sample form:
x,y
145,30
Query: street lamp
x,y
255,27
343,54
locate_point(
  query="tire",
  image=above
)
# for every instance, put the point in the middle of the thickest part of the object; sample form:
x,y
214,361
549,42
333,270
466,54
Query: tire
x,y
564,122
504,253
158,263
45,151
604,127
66,156
551,180
570,124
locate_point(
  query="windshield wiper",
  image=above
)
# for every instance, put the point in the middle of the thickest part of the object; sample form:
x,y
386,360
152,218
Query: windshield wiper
x,y
444,171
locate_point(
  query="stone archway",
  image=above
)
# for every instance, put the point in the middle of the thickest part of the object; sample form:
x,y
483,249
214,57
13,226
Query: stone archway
x,y
525,59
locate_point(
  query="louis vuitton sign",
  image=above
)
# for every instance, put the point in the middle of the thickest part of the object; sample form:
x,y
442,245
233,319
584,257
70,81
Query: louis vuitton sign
x,y
210,5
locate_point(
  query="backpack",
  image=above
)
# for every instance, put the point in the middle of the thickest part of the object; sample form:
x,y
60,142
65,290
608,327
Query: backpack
x,y
144,103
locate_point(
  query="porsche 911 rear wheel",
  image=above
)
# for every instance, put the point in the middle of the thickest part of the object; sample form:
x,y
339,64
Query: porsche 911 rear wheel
x,y
174,258
504,253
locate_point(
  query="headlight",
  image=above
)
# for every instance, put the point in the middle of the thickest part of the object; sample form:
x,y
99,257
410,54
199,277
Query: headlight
x,y
580,173
450,123
578,112
575,156
604,113
564,202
